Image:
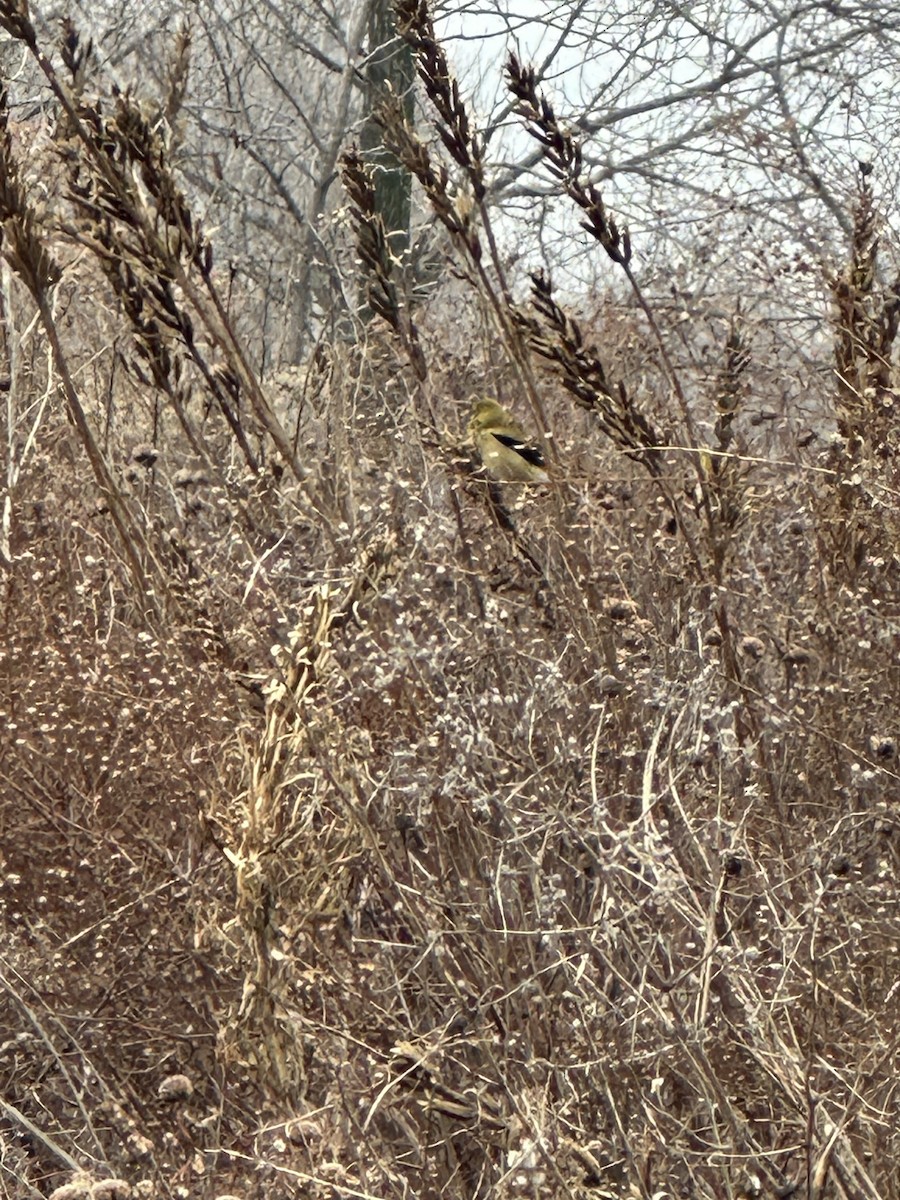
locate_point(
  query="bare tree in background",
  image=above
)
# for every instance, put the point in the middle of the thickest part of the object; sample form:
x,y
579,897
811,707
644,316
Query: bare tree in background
x,y
727,136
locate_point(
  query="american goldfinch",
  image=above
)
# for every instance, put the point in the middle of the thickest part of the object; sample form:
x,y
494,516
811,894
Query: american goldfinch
x,y
505,448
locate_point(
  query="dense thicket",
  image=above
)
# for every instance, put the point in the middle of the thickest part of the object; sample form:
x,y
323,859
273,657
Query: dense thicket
x,y
374,829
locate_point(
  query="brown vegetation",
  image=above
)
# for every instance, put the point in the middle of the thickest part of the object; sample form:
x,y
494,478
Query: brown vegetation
x,y
371,829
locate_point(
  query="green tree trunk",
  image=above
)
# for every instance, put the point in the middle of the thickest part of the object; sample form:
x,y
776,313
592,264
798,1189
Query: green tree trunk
x,y
390,64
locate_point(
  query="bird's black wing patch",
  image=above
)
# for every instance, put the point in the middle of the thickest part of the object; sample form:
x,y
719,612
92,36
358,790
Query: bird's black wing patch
x,y
532,454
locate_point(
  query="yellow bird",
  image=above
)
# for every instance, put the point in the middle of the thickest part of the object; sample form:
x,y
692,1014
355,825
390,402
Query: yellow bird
x,y
505,448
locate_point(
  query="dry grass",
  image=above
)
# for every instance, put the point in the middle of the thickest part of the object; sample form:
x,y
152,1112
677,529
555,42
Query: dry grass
x,y
369,829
